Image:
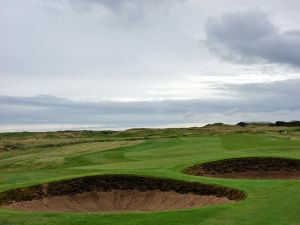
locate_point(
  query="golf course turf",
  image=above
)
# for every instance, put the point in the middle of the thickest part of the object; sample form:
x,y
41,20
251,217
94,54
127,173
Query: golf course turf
x,y
161,154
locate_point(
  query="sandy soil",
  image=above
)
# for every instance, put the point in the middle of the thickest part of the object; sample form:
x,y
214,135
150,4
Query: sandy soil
x,y
119,200
249,168
259,175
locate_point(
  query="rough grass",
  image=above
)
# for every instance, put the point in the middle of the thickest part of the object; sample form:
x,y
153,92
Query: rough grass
x,y
268,202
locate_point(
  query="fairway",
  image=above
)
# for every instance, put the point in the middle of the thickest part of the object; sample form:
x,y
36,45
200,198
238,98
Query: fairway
x,y
268,201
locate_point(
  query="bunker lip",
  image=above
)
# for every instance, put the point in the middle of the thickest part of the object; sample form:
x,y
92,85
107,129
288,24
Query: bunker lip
x,y
112,193
249,168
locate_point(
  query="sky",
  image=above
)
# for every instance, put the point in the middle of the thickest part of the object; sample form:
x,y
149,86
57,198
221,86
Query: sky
x,y
116,64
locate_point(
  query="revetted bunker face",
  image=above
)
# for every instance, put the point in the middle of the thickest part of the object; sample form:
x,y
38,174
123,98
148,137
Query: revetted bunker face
x,y
249,168
110,193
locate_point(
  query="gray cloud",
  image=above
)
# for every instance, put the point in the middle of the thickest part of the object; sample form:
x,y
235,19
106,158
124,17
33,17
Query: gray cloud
x,y
288,88
267,97
270,101
250,37
118,5
130,11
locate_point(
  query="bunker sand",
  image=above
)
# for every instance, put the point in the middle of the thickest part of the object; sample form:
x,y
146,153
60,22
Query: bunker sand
x,y
119,200
249,168
114,193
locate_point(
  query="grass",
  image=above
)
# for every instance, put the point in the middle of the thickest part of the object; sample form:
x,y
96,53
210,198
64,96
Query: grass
x,y
165,154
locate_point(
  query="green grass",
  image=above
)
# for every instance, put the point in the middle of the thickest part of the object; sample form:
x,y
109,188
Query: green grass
x,y
269,202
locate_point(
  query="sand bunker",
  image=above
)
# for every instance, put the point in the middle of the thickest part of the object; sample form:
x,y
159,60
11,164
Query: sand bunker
x,y
132,200
249,168
113,193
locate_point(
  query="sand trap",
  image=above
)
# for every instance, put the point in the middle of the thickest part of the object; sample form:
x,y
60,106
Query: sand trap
x,y
114,193
249,168
119,200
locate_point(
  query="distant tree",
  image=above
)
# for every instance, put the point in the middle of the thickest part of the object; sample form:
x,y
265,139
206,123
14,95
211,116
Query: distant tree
x,y
242,124
293,123
280,123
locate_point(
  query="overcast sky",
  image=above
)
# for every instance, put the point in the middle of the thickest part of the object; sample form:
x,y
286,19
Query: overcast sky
x,y
97,64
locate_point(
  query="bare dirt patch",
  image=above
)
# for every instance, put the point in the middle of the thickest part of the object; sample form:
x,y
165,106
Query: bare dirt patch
x,y
249,168
113,193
